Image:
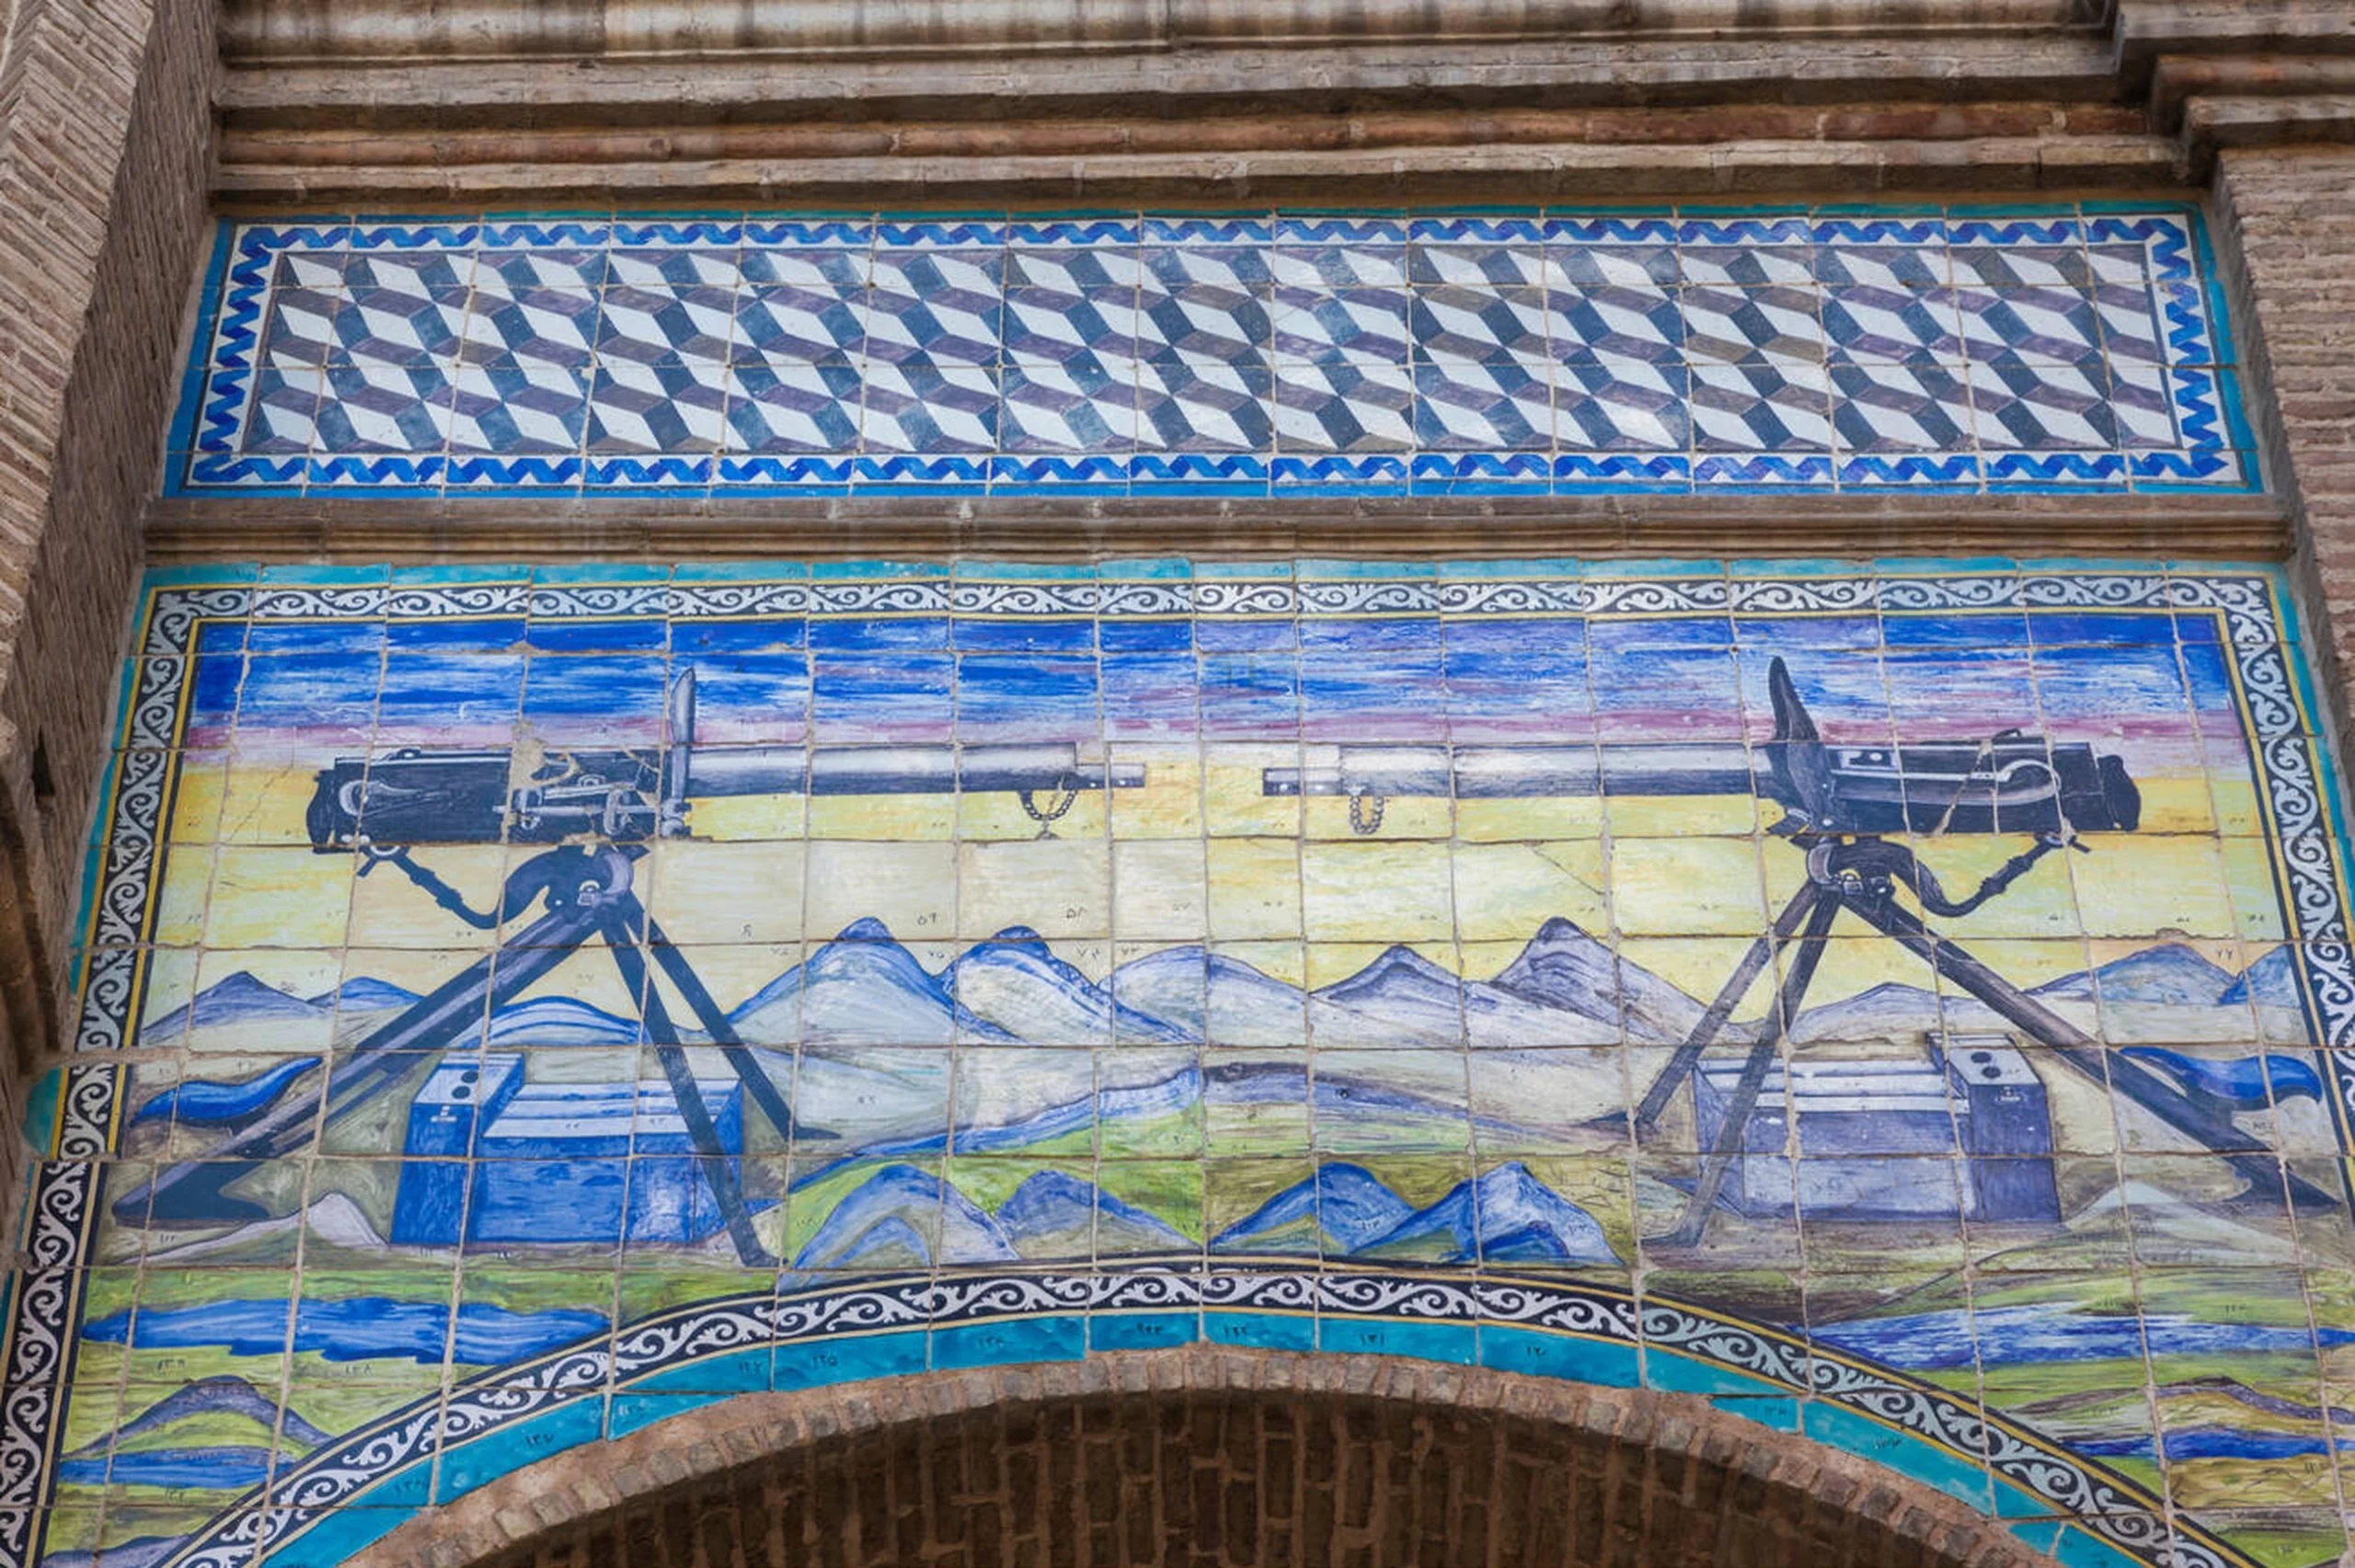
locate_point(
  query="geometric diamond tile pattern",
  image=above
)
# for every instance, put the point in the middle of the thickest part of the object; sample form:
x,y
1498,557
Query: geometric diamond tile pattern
x,y
1673,349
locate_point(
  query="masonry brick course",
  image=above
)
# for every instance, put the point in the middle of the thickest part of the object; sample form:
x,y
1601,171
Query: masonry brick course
x,y
1203,1456
2286,218
104,160
1206,1457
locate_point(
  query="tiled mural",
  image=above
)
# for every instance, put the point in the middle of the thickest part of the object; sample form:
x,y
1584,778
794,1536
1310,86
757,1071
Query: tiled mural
x,y
1556,351
1894,1001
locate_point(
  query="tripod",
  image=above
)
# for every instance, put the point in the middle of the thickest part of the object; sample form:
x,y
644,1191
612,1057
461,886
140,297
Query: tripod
x,y
586,894
1861,874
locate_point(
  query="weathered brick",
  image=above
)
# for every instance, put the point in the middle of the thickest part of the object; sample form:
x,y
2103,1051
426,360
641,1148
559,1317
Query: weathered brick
x,y
2288,223
105,148
1239,1457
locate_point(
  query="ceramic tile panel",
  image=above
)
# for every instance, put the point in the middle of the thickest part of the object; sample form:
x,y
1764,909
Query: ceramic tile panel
x,y
1906,1002
2073,348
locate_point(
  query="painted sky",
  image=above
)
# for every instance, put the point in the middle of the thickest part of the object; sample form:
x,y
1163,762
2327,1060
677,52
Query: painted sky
x,y
2154,686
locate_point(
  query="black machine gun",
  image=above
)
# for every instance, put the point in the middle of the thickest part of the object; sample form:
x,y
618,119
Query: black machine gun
x,y
593,809
2012,783
1839,802
415,795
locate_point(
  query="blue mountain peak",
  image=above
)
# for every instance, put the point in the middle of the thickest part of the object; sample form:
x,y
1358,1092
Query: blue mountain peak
x,y
1052,1201
1505,1215
362,994
1347,1203
890,1242
1014,982
1399,968
233,1000
217,1395
907,1207
1020,944
897,1181
865,954
1046,1201
849,957
2271,982
2170,974
1508,1215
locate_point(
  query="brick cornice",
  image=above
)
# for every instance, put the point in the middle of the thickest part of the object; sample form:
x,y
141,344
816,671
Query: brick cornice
x,y
282,32
376,102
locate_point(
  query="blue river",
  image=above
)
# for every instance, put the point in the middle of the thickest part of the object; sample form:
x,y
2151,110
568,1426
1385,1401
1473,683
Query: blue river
x,y
1931,1341
354,1330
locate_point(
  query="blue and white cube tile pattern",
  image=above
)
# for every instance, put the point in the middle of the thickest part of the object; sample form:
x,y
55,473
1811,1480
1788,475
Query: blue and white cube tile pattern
x,y
2080,348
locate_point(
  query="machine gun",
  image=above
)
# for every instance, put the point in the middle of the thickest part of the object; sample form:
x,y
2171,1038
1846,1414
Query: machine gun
x,y
414,796
1838,802
594,809
2013,782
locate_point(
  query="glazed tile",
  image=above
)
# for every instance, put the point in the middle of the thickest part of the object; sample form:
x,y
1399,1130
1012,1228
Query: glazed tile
x,y
1370,910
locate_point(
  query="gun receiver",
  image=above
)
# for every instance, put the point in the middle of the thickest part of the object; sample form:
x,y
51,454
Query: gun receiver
x,y
417,797
2013,782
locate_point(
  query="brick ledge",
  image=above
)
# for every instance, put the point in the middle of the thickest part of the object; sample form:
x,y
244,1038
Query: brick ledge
x,y
1065,528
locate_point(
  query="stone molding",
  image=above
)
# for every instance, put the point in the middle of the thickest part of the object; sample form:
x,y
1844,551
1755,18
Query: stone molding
x,y
1676,1443
290,31
203,527
990,100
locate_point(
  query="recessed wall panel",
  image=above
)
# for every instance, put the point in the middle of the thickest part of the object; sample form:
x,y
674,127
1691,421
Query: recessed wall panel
x,y
1908,999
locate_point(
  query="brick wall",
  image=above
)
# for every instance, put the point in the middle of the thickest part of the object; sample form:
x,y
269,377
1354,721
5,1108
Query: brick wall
x,y
2287,222
1203,1456
104,138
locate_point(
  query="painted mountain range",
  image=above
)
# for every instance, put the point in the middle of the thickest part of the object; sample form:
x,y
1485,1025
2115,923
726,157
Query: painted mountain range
x,y
1566,987
903,1216
1504,1215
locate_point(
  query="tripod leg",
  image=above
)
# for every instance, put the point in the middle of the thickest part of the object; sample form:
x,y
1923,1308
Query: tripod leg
x,y
457,1005
2082,1052
741,1060
701,1131
1728,996
1730,1136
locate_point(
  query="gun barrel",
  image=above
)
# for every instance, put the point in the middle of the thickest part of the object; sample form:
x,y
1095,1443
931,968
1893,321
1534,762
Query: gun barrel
x,y
2016,785
1509,772
899,770
419,797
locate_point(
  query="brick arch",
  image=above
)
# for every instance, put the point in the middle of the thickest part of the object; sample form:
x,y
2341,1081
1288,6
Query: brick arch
x,y
1210,1454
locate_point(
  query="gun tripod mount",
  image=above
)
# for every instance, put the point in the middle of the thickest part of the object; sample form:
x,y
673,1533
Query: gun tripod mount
x,y
1861,873
587,895
1839,803
382,807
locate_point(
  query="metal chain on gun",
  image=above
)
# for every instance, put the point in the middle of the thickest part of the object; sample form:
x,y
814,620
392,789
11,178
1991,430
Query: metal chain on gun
x,y
1047,815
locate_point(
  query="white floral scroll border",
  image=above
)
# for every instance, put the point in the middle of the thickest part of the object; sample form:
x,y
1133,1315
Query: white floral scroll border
x,y
2115,1509
36,1361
